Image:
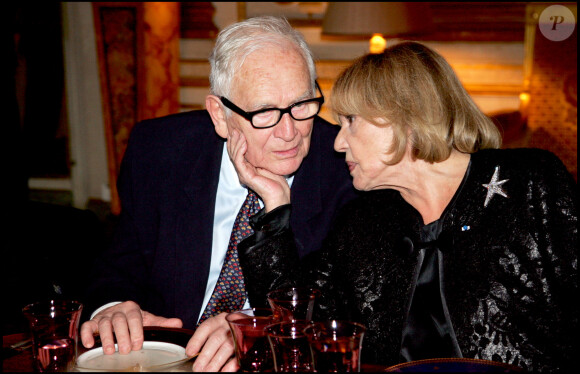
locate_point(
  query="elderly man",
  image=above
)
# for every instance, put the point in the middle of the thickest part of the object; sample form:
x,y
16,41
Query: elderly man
x,y
181,193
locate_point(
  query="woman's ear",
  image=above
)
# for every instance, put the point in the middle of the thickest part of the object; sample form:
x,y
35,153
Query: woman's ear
x,y
217,114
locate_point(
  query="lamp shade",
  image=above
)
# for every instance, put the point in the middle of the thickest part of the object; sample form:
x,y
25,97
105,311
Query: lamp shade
x,y
367,18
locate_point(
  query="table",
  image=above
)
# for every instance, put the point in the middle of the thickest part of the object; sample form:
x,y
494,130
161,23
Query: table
x,y
22,362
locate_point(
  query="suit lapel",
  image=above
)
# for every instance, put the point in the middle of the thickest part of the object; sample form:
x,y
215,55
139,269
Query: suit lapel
x,y
194,228
307,195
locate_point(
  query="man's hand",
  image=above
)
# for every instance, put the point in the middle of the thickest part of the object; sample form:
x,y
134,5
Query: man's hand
x,y
214,339
125,321
273,189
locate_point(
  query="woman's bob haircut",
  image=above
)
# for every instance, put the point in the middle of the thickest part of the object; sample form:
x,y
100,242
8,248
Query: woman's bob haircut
x,y
412,88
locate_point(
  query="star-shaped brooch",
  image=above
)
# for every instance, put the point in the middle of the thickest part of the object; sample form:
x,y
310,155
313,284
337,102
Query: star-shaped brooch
x,y
494,187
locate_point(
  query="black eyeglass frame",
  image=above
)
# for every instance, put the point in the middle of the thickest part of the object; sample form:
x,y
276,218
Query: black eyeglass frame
x,y
250,115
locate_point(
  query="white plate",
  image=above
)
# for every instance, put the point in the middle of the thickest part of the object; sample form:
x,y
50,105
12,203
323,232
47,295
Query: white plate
x,y
153,356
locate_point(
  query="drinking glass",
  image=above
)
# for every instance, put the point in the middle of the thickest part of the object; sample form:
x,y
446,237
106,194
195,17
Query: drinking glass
x,y
54,326
336,345
251,343
293,303
290,347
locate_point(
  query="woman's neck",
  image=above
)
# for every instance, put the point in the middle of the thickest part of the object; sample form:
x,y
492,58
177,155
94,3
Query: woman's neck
x,y
431,187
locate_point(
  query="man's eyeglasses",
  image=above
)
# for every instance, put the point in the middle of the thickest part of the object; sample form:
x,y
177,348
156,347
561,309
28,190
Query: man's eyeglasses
x,y
269,117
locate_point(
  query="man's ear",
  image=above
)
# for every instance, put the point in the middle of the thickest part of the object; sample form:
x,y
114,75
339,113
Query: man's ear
x,y
217,114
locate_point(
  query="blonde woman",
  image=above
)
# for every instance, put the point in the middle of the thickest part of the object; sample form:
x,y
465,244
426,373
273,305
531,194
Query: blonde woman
x,y
458,249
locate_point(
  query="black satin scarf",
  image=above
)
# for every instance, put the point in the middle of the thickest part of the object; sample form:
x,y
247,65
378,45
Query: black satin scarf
x,y
428,332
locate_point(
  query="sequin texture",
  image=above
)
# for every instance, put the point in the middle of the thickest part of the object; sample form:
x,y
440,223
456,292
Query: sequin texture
x,y
510,282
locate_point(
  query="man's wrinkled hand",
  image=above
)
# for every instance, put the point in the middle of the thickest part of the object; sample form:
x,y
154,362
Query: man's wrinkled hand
x,y
124,322
273,189
213,340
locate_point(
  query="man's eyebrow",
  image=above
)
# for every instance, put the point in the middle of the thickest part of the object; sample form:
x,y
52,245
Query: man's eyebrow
x,y
304,96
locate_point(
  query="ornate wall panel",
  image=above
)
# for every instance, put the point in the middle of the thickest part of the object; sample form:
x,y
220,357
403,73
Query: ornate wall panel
x,y
138,52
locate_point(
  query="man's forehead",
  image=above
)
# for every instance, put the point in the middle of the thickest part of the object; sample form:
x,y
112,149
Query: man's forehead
x,y
257,99
258,86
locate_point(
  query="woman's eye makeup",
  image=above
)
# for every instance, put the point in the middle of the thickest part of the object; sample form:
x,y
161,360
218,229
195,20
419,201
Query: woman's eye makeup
x,y
346,119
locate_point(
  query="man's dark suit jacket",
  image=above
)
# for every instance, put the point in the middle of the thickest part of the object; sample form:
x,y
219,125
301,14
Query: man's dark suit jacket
x,y
161,252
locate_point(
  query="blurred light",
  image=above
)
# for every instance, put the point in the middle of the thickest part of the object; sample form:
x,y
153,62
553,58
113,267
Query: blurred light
x,y
366,19
377,44
525,97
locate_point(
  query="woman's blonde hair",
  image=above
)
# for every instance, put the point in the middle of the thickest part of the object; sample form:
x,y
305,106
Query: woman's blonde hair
x,y
415,90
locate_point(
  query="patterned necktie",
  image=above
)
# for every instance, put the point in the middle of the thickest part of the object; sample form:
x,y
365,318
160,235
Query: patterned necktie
x,y
229,293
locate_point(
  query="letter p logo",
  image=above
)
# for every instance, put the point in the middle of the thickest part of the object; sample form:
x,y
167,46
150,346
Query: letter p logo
x,y
557,20
557,23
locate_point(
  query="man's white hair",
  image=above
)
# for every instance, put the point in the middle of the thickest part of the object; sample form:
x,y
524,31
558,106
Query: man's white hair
x,y
237,41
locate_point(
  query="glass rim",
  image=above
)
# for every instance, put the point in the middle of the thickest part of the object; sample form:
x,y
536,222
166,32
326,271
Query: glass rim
x,y
67,306
268,314
300,329
359,330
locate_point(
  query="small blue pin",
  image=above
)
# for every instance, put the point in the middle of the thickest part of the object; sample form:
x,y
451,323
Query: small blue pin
x,y
465,228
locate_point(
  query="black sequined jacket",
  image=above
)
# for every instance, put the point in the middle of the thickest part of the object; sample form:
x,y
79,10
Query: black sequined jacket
x,y
509,268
